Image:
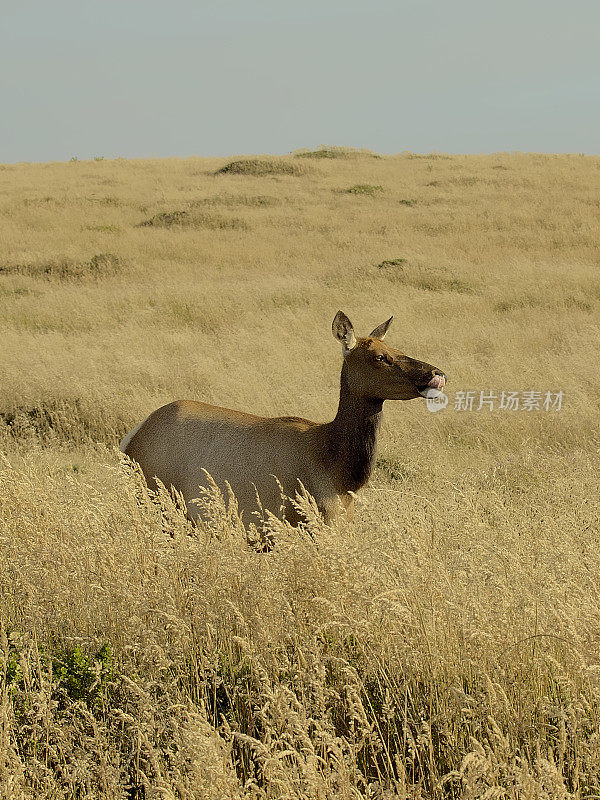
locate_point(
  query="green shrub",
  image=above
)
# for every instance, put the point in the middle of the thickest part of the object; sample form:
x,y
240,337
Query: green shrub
x,y
334,151
392,262
364,188
104,228
324,152
76,675
83,677
167,219
260,167
393,469
189,219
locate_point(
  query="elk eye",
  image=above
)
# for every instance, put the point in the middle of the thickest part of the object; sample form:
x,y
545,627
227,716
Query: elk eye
x,y
380,358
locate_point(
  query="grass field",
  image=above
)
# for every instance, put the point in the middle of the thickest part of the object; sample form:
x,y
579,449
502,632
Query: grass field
x,y
445,644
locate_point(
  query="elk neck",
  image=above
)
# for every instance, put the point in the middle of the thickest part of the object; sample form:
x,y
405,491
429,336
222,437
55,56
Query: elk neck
x,y
351,438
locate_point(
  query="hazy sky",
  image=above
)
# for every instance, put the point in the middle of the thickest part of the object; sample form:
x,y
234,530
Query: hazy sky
x,y
217,77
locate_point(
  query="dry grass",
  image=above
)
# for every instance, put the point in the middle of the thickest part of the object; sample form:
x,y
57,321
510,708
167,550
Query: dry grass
x,y
445,644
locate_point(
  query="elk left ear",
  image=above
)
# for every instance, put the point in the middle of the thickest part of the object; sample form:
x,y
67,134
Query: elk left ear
x,y
381,330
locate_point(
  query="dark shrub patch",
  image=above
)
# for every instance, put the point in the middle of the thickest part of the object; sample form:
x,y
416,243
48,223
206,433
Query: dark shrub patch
x,y
64,268
393,262
325,151
252,201
259,167
190,219
364,188
167,219
67,420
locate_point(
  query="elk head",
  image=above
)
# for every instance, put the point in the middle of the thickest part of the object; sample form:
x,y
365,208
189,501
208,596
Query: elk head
x,y
376,371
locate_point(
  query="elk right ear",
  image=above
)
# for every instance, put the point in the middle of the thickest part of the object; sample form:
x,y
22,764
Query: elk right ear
x,y
381,330
343,331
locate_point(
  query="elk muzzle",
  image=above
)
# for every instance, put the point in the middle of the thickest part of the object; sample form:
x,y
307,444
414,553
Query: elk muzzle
x,y
435,385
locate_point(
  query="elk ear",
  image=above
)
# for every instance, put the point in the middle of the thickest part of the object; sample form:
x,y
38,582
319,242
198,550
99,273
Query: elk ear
x,y
381,330
343,331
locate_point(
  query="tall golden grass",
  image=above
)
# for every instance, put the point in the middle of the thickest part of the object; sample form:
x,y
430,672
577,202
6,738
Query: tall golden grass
x,y
443,645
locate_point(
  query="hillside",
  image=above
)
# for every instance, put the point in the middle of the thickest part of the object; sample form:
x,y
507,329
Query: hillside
x,y
445,643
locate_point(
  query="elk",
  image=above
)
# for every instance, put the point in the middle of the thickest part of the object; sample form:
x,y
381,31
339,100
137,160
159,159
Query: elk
x,y
268,457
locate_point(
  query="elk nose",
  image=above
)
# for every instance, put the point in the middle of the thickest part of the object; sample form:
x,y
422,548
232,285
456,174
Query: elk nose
x,y
438,380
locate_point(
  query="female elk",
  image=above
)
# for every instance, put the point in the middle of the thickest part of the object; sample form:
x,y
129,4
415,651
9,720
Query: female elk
x,y
180,442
